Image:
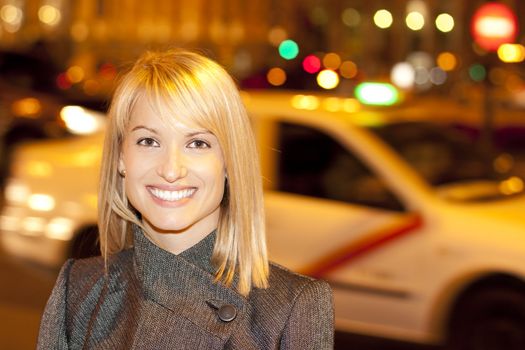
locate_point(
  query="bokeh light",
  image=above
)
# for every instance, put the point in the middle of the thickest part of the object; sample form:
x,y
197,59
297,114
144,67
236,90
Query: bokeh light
x,y
415,21
477,72
328,79
380,94
288,49
511,186
438,76
446,61
49,15
444,22
351,17
511,53
403,75
79,31
277,35
383,19
311,64
63,81
493,24
75,74
308,102
332,104
331,61
276,76
348,69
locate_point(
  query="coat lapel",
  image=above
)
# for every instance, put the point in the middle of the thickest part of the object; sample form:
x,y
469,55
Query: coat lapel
x,y
183,300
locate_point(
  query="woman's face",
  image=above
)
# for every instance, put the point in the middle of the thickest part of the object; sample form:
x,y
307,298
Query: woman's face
x,y
175,173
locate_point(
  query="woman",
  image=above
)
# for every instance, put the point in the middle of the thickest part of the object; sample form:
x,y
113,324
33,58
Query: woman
x,y
184,263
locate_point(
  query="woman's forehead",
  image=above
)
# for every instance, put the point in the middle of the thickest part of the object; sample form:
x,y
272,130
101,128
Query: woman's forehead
x,y
161,115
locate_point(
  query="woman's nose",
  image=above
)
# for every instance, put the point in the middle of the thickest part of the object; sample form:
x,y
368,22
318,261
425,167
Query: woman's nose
x,y
171,167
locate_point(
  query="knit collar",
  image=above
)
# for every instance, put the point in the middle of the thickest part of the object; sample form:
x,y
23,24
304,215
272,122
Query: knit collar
x,y
154,263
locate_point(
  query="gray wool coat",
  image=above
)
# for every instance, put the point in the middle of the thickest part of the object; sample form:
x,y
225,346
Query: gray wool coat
x,y
152,299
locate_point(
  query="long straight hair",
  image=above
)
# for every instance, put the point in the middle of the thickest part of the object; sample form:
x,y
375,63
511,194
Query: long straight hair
x,y
186,86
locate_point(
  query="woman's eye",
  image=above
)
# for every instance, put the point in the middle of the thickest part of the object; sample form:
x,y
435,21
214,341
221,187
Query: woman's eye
x,y
199,144
148,141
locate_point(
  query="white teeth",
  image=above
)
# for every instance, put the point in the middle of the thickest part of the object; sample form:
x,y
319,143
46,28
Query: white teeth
x,y
172,196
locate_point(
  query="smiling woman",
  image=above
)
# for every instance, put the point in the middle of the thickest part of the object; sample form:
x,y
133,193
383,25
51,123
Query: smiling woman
x,y
184,261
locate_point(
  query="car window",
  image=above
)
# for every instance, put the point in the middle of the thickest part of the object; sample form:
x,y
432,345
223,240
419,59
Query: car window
x,y
442,154
311,163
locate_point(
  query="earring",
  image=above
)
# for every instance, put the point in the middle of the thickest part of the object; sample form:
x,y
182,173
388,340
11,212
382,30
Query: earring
x,y
122,172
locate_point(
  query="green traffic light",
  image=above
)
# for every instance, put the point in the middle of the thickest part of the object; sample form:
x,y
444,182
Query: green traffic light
x,y
288,49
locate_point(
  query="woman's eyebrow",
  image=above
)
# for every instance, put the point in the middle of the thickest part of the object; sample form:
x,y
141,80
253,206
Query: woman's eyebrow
x,y
200,132
138,127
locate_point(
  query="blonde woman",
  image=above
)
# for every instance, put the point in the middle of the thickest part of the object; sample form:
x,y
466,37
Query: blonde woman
x,y
184,262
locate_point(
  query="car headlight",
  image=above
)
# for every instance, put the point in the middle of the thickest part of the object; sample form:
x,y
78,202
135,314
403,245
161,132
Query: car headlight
x,y
80,120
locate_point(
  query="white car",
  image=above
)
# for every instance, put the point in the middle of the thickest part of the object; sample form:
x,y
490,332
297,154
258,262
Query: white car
x,y
394,207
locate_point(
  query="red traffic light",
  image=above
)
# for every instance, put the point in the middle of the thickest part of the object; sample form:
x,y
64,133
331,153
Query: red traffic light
x,y
494,24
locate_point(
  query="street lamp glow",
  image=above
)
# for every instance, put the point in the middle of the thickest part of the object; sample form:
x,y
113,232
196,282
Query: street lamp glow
x,y
383,19
444,22
49,15
403,75
327,79
332,61
446,61
276,76
511,53
415,21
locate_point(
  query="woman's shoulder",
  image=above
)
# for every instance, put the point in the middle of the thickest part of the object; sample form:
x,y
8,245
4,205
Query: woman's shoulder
x,y
89,272
286,286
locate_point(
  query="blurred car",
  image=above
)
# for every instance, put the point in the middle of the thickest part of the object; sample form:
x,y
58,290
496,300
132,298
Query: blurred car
x,y
31,105
419,232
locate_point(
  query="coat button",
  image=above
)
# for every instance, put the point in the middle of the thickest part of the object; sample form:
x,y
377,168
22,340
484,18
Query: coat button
x,y
227,312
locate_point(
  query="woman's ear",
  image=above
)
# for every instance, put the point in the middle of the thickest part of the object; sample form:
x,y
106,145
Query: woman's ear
x,y
121,167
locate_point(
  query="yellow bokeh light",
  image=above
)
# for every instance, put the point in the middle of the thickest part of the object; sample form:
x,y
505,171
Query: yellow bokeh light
x,y
41,202
445,22
38,169
91,87
383,19
351,105
511,185
328,79
276,76
332,104
511,53
348,69
415,20
308,102
75,74
79,31
27,107
447,61
503,163
49,15
11,14
332,61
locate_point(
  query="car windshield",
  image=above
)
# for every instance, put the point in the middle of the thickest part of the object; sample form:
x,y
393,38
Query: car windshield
x,y
451,158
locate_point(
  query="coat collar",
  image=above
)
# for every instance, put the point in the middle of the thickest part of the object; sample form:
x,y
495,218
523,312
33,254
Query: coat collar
x,y
184,283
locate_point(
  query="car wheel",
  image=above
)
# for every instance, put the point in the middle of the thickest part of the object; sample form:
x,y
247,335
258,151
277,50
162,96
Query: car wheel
x,y
491,319
85,244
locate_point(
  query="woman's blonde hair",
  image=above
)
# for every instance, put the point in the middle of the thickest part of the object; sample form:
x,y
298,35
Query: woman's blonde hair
x,y
199,91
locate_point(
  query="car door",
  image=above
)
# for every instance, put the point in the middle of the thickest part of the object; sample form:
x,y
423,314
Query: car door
x,y
330,216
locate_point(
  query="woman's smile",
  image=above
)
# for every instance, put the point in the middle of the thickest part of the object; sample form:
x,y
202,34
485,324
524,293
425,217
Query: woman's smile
x,y
171,195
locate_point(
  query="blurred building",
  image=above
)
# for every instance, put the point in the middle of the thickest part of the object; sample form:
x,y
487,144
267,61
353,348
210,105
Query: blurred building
x,y
243,35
